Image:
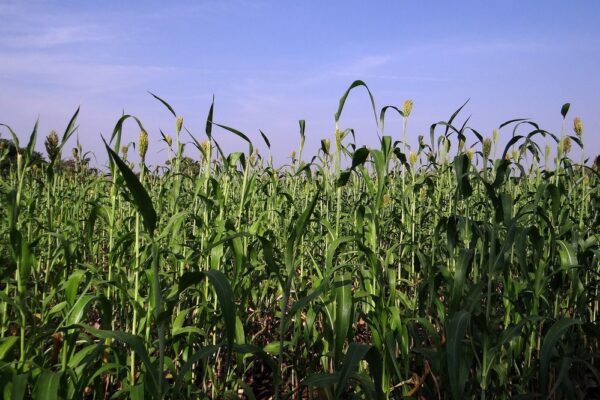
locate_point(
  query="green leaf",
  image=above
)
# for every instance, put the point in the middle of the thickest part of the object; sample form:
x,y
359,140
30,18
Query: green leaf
x,y
72,285
565,109
302,221
237,133
301,303
136,344
19,386
81,357
456,328
454,115
302,124
47,385
70,129
224,295
137,392
511,142
331,250
460,275
6,344
359,157
321,380
568,254
83,304
142,200
356,352
275,347
164,103
31,143
13,134
355,84
209,118
343,178
265,138
343,312
461,168
382,115
552,337
21,254
197,356
375,360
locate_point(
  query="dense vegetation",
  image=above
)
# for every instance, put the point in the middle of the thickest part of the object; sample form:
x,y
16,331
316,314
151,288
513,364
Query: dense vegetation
x,y
457,269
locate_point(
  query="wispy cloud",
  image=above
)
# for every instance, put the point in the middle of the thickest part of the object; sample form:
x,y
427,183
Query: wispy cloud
x,y
56,36
57,71
470,46
364,65
38,25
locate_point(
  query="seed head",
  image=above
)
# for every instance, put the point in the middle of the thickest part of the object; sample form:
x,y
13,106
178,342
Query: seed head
x,y
495,135
470,154
446,145
567,144
124,150
412,158
516,155
178,124
387,200
52,145
205,148
143,143
578,127
407,108
487,148
169,140
338,138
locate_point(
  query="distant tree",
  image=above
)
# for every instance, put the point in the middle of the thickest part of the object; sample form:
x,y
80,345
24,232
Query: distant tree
x,y
8,155
190,166
187,165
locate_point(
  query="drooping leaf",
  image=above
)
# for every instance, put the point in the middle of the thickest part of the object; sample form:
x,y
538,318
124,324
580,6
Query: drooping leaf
x,y
141,199
164,103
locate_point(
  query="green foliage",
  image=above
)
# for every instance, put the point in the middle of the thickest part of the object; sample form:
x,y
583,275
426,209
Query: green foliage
x,y
389,272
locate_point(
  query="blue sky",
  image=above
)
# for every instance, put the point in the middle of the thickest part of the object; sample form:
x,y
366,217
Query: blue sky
x,y
271,63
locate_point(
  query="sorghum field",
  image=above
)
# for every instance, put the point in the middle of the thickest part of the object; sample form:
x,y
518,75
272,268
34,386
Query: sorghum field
x,y
461,268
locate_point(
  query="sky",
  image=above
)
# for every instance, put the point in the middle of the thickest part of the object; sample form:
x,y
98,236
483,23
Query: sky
x,y
271,63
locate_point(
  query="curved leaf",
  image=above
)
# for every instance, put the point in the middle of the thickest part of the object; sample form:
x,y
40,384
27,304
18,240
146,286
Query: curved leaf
x,y
142,200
